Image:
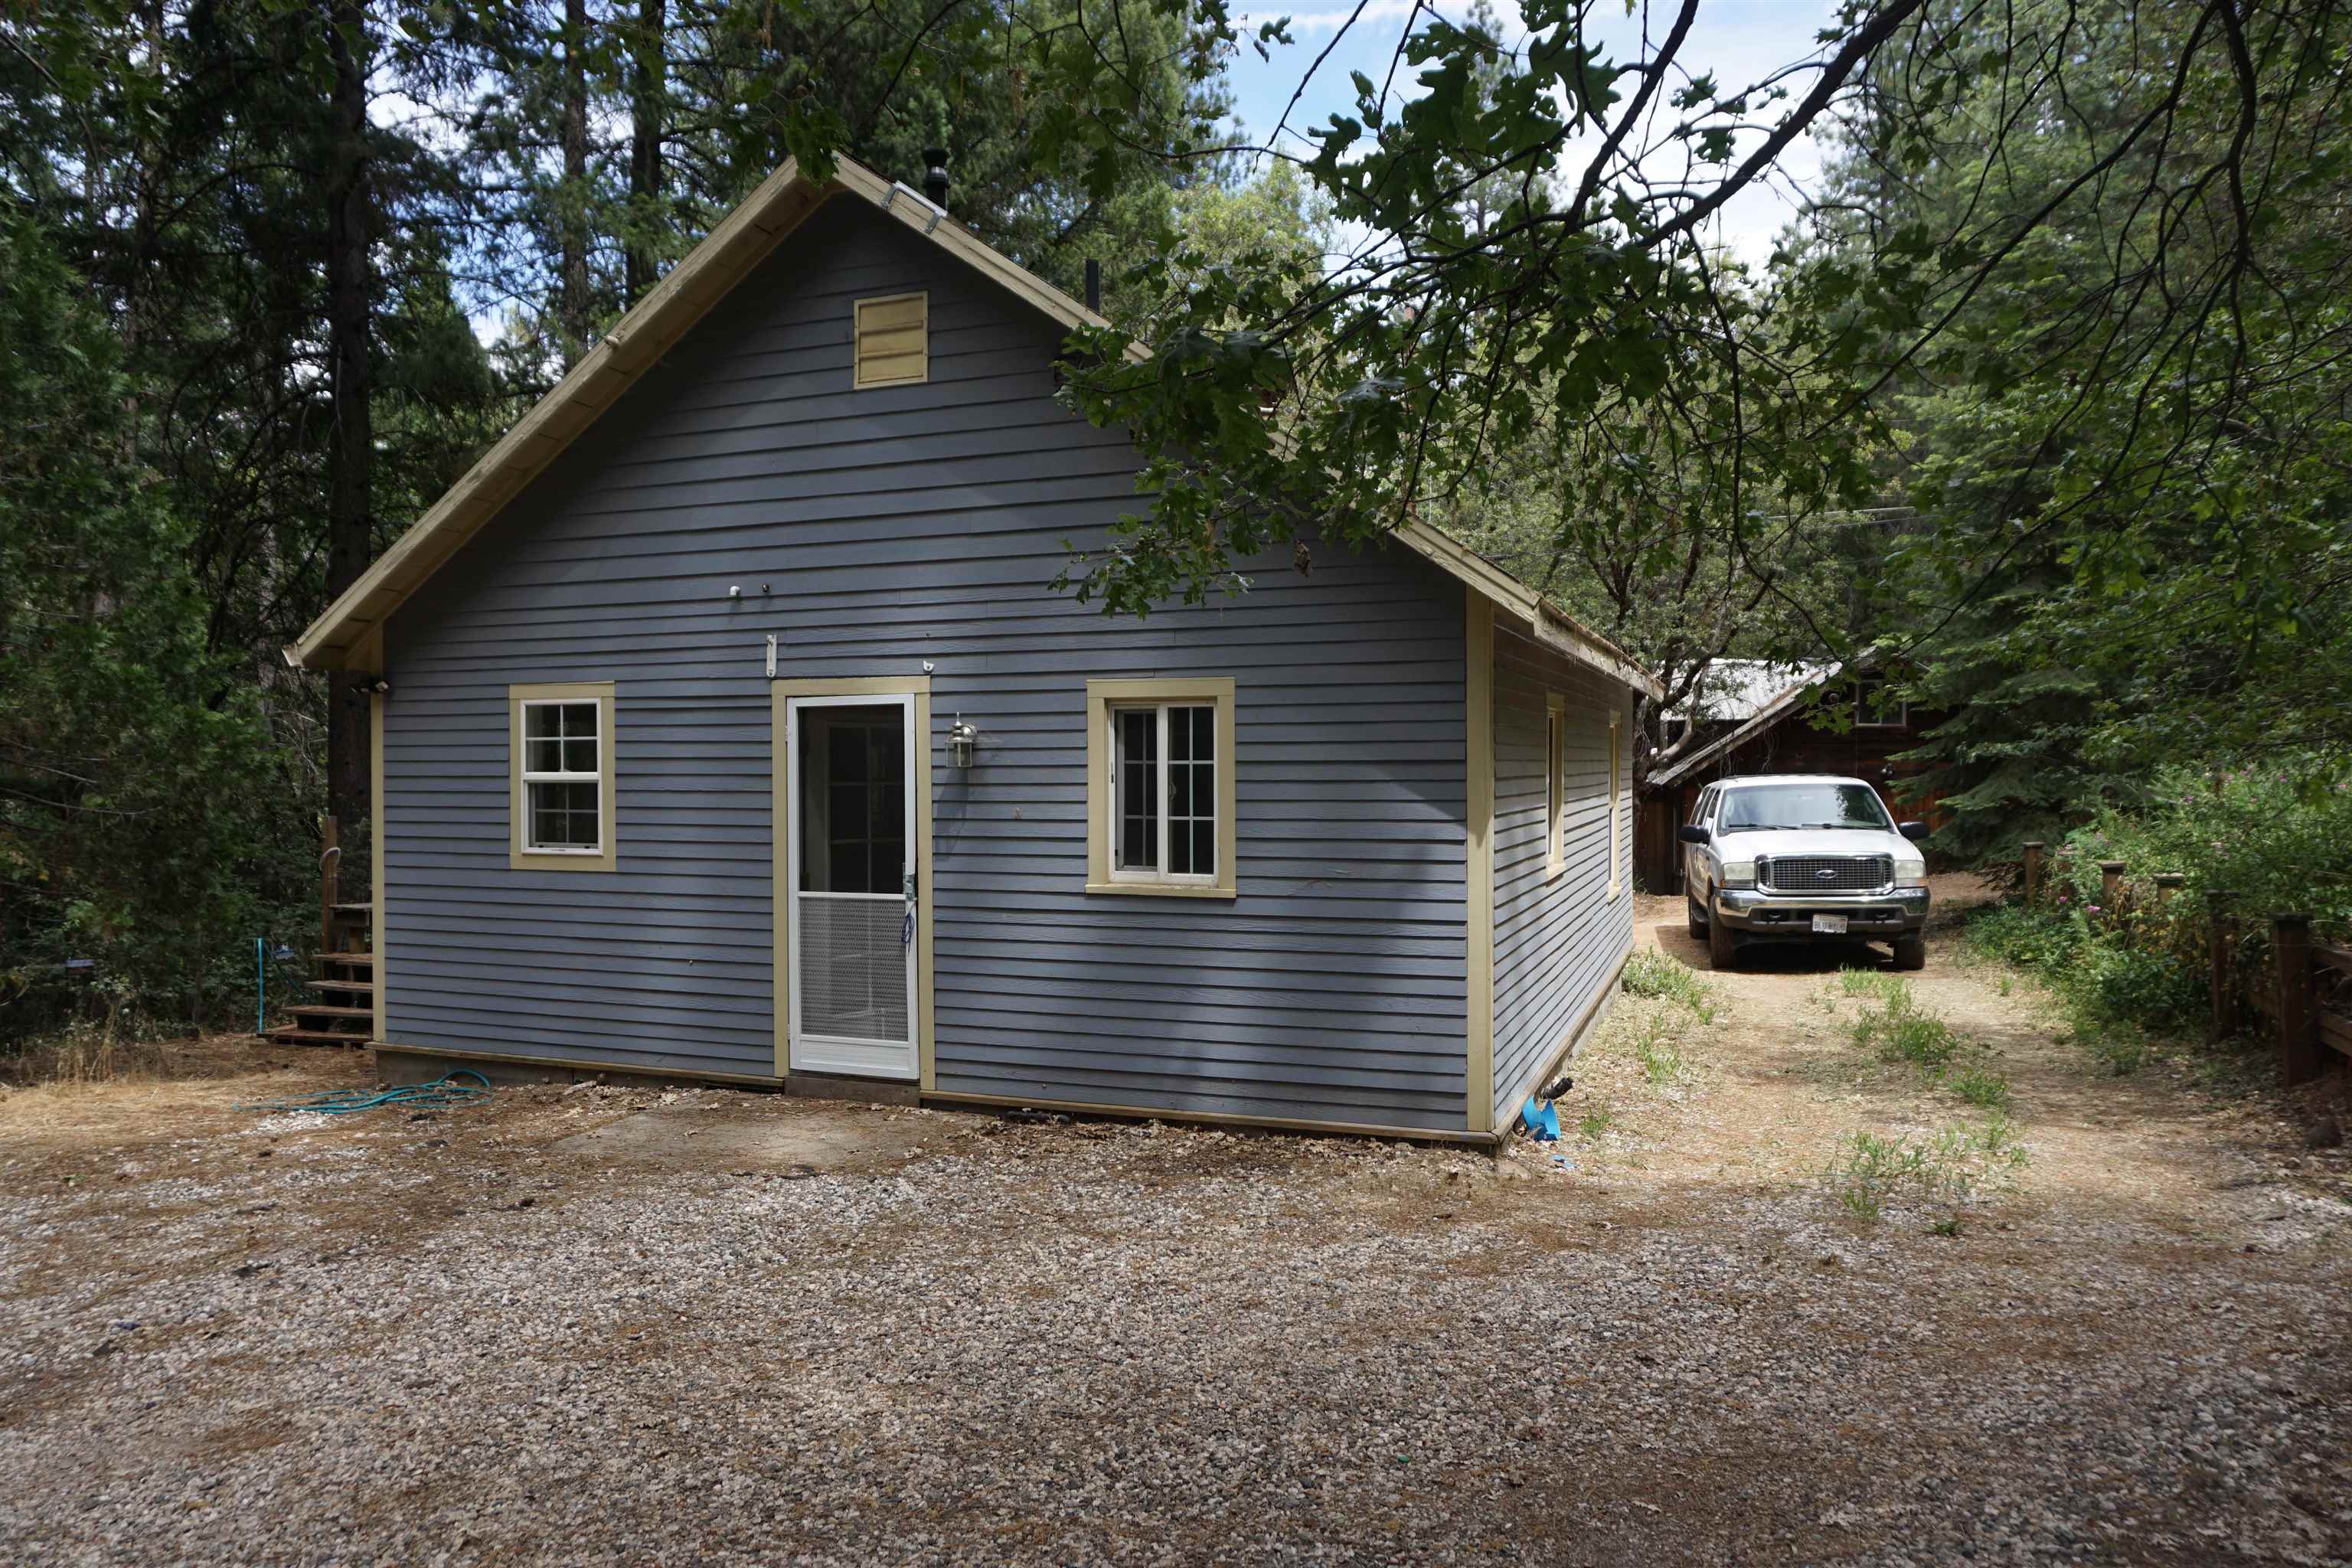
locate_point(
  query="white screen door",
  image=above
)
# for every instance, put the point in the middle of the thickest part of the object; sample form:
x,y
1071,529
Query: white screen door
x,y
851,871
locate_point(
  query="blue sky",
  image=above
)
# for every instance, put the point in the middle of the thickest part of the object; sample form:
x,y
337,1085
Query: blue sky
x,y
1740,41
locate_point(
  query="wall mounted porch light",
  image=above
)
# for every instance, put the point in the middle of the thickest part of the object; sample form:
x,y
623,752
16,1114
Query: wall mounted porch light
x,y
961,739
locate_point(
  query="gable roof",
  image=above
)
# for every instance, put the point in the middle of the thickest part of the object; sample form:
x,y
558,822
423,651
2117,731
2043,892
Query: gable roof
x,y
1810,677
348,634
1730,691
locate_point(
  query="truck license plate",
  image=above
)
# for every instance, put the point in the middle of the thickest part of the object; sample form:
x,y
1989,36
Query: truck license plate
x,y
1829,925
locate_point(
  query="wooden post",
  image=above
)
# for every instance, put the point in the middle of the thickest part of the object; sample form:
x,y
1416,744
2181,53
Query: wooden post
x,y
2166,884
2034,847
2298,1022
330,855
2111,888
2222,940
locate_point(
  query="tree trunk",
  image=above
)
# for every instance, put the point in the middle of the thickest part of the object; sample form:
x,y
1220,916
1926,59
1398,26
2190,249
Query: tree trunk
x,y
572,222
350,451
648,85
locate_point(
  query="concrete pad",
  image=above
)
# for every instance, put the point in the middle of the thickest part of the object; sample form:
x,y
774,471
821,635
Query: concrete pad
x,y
792,1137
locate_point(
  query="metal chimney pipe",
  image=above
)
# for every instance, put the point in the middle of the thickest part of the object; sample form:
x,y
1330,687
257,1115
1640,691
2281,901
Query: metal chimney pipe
x,y
1094,285
935,177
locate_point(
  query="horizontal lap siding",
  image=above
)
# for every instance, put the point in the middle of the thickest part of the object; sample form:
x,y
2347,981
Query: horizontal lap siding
x,y
1557,935
871,531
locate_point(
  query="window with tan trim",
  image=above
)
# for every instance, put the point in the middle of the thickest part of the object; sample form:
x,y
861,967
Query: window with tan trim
x,y
561,808
1159,786
893,346
1555,782
1616,802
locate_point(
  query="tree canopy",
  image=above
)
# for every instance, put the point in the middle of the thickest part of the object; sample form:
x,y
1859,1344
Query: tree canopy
x,y
2040,394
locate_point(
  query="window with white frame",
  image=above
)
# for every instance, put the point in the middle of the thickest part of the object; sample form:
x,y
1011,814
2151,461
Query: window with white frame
x,y
563,806
1874,710
563,782
1555,782
1159,786
1166,783
1616,803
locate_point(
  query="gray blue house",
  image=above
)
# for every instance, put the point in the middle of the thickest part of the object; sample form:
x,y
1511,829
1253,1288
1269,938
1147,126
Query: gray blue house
x,y
726,728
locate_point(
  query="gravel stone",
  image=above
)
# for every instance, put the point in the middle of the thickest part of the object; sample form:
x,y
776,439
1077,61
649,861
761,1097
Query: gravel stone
x,y
955,1338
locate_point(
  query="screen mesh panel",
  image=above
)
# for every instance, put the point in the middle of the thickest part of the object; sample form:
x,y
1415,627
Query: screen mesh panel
x,y
852,966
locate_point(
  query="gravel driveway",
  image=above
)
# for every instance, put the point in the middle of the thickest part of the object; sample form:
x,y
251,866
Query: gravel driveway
x,y
598,1325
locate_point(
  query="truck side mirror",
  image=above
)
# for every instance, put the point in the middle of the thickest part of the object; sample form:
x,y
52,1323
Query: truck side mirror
x,y
1914,831
1691,833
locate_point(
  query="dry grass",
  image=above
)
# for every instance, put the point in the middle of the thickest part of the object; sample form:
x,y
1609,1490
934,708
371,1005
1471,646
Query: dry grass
x,y
119,1089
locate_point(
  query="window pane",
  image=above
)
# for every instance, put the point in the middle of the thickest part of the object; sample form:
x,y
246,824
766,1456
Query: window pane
x,y
580,756
578,720
1139,735
541,718
563,817
1191,792
889,874
1139,844
542,756
852,799
1138,807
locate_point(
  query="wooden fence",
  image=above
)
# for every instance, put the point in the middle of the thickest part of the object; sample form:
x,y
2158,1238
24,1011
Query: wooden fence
x,y
2302,995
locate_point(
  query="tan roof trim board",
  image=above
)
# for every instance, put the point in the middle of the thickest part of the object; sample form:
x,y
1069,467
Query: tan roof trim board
x,y
663,316
348,636
1542,619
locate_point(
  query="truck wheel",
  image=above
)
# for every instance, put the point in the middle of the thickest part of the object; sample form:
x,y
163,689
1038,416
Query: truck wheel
x,y
1690,912
1722,947
1910,953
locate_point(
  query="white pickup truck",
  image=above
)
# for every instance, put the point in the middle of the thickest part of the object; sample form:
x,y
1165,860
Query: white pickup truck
x,y
1802,858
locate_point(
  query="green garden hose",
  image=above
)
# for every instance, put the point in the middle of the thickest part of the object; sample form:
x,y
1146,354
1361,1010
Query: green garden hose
x,y
445,1091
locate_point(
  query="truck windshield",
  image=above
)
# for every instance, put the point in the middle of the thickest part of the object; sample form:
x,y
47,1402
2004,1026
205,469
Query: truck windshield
x,y
1824,804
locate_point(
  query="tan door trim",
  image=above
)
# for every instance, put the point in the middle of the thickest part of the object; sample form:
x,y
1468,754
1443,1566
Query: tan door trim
x,y
918,688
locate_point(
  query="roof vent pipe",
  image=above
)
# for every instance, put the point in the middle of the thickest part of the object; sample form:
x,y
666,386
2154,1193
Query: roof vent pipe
x,y
935,177
1094,285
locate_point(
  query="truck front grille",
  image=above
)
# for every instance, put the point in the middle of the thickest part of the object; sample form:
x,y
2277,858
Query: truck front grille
x,y
1827,873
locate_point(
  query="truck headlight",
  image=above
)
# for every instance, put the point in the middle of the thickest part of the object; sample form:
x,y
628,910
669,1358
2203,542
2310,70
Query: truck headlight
x,y
1910,873
1739,873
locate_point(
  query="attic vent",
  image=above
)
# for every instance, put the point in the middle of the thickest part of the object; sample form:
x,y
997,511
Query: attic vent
x,y
894,339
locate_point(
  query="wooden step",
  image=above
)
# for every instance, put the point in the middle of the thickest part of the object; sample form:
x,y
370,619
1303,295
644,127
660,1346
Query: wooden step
x,y
362,986
354,960
353,909
286,1036
330,1010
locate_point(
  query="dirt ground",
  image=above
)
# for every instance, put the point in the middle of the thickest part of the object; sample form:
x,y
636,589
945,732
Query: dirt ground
x,y
587,1323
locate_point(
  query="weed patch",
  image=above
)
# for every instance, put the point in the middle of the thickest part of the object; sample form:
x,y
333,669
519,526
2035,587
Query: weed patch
x,y
1900,1031
1875,983
1661,1063
1957,1163
1650,973
1983,1087
2110,993
1594,1123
